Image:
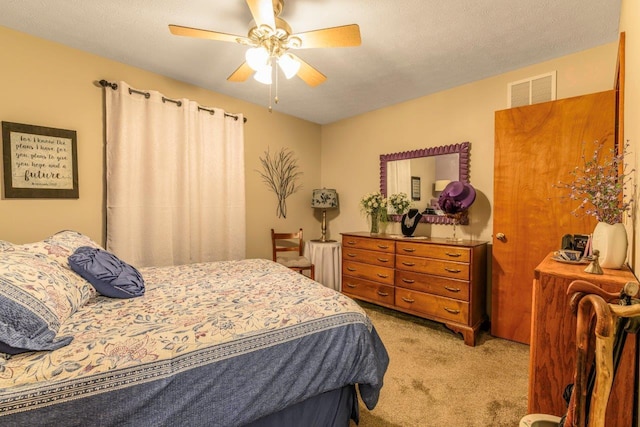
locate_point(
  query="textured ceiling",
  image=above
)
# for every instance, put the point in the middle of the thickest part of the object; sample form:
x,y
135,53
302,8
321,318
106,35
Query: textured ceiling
x,y
410,48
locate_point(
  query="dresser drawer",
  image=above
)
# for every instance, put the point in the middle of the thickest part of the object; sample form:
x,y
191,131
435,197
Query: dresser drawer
x,y
456,270
367,290
383,259
381,245
450,253
433,305
370,272
451,288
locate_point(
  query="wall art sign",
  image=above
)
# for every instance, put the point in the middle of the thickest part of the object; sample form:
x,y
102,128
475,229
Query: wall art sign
x,y
39,162
415,188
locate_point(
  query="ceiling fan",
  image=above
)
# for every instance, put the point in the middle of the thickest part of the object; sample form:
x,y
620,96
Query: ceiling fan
x,y
270,38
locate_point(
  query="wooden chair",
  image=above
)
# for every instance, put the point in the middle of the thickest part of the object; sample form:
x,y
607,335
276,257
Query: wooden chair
x,y
291,242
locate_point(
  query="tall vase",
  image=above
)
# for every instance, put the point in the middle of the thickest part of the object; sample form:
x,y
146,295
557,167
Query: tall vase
x,y
611,241
374,222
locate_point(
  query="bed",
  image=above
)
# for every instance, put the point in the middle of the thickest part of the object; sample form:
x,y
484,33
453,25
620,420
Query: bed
x,y
212,344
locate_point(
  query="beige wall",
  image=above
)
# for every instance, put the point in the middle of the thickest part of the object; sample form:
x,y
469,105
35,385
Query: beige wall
x,y
464,113
630,24
47,84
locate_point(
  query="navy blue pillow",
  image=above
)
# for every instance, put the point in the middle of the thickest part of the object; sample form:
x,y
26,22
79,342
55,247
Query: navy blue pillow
x,y
110,276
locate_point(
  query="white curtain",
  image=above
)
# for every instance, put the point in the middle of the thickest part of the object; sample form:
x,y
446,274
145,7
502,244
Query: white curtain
x,y
398,178
175,180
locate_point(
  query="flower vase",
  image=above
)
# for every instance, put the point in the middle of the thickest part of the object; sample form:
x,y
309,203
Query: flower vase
x,y
611,241
374,223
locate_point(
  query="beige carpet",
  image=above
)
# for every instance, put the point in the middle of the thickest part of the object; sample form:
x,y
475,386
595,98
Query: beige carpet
x,y
435,380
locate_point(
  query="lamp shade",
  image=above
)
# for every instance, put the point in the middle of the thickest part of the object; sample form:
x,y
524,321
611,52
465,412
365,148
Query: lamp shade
x,y
441,184
257,57
324,198
263,75
288,65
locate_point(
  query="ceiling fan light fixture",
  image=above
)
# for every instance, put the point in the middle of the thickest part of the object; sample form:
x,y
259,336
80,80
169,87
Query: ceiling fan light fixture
x,y
263,75
257,58
288,65
268,40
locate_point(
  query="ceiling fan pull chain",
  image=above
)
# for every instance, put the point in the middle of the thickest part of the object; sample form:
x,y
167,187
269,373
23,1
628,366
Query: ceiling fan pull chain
x,y
275,70
270,109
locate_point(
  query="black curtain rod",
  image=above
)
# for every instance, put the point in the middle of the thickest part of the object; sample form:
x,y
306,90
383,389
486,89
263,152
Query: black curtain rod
x,y
114,86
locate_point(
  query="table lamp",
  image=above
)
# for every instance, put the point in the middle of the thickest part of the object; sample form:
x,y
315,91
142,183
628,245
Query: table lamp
x,y
440,184
324,198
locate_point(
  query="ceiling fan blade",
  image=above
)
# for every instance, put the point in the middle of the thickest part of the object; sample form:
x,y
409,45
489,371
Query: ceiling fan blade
x,y
241,74
262,12
344,36
308,74
179,30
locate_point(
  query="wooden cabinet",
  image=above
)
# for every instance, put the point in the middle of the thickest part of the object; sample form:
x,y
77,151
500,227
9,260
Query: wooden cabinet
x,y
437,279
553,343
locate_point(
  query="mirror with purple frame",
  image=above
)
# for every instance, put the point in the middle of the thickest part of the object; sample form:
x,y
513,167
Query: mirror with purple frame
x,y
422,174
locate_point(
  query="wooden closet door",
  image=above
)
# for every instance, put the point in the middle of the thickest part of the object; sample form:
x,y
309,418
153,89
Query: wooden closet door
x,y
535,147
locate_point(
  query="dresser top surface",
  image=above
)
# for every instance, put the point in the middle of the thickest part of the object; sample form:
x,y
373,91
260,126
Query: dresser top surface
x,y
417,239
549,266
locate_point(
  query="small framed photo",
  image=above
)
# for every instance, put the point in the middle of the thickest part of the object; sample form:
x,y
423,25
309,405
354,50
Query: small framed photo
x,y
580,243
39,162
415,188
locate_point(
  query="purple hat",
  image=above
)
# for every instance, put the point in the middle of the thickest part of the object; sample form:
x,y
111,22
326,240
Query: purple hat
x,y
456,197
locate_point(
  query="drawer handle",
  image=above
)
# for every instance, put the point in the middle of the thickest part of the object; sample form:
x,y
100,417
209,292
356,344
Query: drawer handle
x,y
383,246
454,255
453,270
351,269
350,285
383,259
352,255
452,311
452,289
408,281
351,242
409,300
383,294
408,264
384,276
408,250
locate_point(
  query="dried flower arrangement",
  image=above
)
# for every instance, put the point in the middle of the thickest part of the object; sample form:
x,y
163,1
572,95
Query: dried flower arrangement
x,y
281,173
599,184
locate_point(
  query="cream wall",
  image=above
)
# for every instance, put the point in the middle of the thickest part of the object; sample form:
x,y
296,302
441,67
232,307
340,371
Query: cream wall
x,y
630,24
351,147
47,84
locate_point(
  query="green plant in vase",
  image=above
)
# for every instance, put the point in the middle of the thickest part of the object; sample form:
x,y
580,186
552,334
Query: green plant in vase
x,y
399,203
374,206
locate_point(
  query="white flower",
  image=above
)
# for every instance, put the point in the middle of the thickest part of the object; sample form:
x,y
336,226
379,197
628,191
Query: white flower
x,y
399,202
373,204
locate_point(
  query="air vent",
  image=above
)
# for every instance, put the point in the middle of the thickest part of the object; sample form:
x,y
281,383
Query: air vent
x,y
533,90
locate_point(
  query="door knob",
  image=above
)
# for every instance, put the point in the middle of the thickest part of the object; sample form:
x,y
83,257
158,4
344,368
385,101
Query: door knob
x,y
501,237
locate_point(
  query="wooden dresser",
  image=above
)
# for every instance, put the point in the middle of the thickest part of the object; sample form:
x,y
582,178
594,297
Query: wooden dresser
x,y
437,279
553,343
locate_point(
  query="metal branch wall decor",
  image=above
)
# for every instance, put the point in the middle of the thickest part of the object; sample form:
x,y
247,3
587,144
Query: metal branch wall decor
x,y
281,172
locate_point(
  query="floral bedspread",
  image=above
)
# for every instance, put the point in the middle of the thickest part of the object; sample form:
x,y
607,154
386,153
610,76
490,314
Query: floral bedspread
x,y
190,316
